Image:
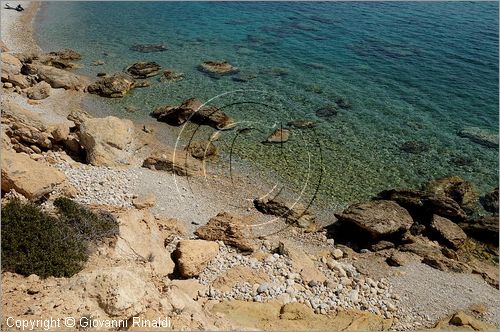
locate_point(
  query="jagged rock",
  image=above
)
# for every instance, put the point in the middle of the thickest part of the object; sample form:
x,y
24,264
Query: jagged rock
x,y
454,187
293,212
107,141
192,256
462,321
144,202
217,68
480,136
483,228
39,91
213,117
57,78
143,69
141,238
178,163
67,54
327,112
148,48
113,86
229,228
78,117
301,262
378,218
28,177
171,76
202,149
490,201
447,232
423,205
279,136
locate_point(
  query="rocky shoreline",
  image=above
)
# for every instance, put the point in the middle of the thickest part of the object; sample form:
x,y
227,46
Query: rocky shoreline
x,y
205,263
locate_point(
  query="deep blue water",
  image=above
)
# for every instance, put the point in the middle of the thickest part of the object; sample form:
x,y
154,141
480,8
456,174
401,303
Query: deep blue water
x,y
412,71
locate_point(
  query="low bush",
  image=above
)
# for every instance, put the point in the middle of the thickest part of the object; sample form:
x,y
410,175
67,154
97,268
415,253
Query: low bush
x,y
90,226
36,242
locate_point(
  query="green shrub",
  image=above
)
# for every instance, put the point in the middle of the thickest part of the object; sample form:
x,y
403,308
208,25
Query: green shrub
x,y
90,226
34,242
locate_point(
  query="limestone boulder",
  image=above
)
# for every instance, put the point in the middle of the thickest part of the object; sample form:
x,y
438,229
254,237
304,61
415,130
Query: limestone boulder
x,y
377,218
112,86
57,78
192,256
293,212
301,262
28,177
447,232
140,238
107,141
175,162
233,230
39,91
461,321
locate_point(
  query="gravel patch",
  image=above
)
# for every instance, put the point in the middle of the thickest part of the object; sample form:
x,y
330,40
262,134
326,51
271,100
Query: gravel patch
x,y
428,295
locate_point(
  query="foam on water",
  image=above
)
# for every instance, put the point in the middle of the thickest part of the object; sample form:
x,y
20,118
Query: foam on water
x,y
412,71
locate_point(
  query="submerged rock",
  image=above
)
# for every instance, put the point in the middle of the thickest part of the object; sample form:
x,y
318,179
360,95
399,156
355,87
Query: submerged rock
x,y
377,218
279,136
213,117
143,69
148,48
301,124
414,146
343,103
480,136
244,77
67,54
217,68
202,149
171,76
114,86
327,112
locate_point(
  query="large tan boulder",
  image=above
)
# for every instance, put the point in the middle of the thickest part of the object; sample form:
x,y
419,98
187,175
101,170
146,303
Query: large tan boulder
x,y
301,262
377,218
108,141
58,78
177,162
192,256
113,86
229,228
120,292
448,233
460,321
39,91
28,177
140,238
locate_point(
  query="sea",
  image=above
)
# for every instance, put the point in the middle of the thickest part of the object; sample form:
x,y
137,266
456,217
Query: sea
x,y
387,86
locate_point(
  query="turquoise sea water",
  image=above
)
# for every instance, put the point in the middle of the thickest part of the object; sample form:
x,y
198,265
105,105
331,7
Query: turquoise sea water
x,y
411,70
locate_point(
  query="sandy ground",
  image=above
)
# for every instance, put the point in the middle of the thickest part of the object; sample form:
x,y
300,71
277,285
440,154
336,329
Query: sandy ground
x,y
17,27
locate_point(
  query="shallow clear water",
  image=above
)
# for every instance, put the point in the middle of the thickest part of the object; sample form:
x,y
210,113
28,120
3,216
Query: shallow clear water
x,y
412,71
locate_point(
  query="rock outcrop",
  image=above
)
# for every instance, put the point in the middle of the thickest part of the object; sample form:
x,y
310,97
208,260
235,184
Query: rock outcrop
x,y
141,239
202,149
143,69
113,86
175,162
57,78
39,91
28,177
293,212
229,228
107,141
192,256
460,321
454,187
378,218
447,232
